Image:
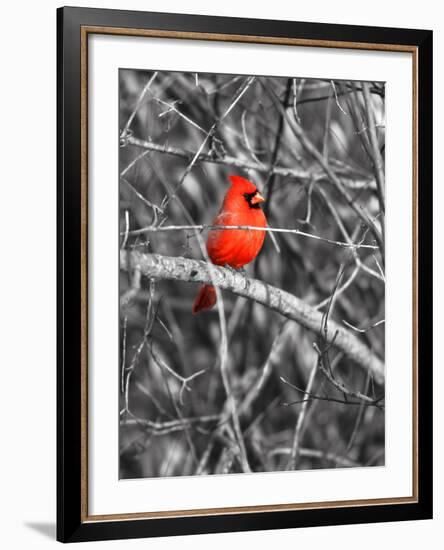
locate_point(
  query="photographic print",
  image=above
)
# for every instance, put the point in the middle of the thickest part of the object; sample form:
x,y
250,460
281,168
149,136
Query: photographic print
x,y
252,287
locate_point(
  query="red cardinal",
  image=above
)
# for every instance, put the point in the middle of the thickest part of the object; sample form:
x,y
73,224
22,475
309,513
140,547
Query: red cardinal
x,y
234,247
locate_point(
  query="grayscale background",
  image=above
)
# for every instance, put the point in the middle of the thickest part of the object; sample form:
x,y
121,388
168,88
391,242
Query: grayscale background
x,y
295,408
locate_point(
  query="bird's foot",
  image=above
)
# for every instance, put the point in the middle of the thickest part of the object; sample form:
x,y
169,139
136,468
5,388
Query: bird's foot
x,y
240,270
230,268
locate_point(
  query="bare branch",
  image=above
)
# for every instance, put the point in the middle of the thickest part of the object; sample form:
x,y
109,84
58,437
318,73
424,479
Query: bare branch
x,y
227,160
313,152
375,153
337,99
134,162
259,383
312,396
183,380
202,227
241,91
122,381
314,453
169,426
341,387
231,402
138,104
183,269
156,209
362,330
300,422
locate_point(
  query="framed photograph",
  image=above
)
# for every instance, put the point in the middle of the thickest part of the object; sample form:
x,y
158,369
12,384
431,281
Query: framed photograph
x,y
244,274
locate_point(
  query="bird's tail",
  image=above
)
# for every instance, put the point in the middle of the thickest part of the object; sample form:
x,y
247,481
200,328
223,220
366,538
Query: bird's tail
x,y
205,299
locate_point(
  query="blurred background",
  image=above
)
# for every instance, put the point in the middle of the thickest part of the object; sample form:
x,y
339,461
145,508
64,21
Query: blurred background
x,y
173,423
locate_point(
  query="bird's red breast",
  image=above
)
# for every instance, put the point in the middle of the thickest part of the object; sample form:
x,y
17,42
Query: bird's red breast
x,y
237,247
234,247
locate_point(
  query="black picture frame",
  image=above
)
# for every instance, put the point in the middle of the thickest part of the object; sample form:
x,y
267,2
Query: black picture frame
x,y
71,523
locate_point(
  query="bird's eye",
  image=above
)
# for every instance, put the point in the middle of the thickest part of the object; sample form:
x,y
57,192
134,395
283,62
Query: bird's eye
x,y
254,199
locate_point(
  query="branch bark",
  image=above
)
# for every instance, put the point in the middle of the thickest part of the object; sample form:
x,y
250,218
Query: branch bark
x,y
156,266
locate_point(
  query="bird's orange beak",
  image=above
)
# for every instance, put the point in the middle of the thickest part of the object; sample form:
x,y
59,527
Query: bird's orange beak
x,y
257,198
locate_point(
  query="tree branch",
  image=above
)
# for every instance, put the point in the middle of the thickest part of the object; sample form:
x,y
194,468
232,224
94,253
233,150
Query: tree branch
x,y
378,163
162,228
311,149
227,160
156,266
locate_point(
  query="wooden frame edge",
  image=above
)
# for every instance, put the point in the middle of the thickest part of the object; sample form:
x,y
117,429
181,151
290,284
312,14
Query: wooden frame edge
x,y
222,37
202,512
84,272
85,31
415,279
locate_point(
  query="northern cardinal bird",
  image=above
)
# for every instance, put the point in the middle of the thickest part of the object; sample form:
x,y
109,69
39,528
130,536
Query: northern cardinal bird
x,y
234,247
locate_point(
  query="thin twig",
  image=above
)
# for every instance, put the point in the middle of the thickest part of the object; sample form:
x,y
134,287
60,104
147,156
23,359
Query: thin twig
x,y
314,453
136,107
184,380
328,112
246,140
223,328
173,108
169,426
312,396
358,418
300,422
154,207
312,150
333,85
363,330
341,387
234,162
241,91
202,227
381,271
376,154
134,162
341,288
295,99
149,321
265,373
122,382
126,232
